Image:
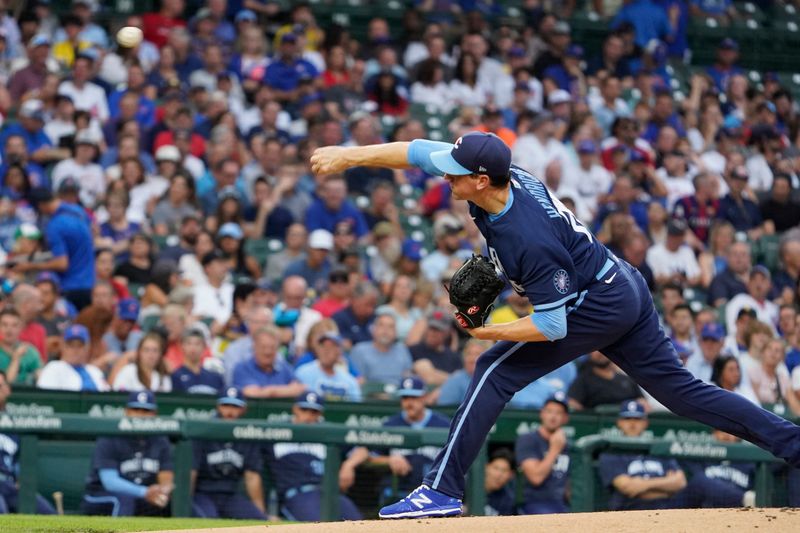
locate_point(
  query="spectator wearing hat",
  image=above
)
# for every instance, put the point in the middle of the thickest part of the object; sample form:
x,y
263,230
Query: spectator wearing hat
x,y
355,320
73,371
410,466
230,239
31,77
333,207
733,280
383,359
55,311
315,266
600,382
264,374
191,377
219,468
433,358
122,336
738,208
728,49
214,299
544,461
295,468
131,476
674,260
588,178
328,375
283,75
20,362
701,364
637,481
337,295
493,123
759,285
81,166
87,95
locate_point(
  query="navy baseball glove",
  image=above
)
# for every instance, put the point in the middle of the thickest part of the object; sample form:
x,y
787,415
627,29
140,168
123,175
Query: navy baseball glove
x,y
473,290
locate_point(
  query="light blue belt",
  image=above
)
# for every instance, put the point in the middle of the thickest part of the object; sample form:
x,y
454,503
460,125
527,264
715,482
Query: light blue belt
x,y
294,491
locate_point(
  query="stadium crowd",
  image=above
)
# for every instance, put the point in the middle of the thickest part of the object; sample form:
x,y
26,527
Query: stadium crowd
x,y
161,231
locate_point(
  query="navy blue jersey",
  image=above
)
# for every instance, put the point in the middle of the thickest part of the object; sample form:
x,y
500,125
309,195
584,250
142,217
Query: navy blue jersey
x,y
546,254
738,474
500,502
611,465
221,465
554,486
137,459
9,447
295,464
206,382
420,458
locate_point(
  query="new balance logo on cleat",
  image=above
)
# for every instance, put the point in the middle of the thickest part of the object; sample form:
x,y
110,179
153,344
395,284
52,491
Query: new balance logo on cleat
x,y
420,500
423,502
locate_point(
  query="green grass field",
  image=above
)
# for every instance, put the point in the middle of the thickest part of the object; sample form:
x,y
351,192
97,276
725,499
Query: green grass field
x,y
100,524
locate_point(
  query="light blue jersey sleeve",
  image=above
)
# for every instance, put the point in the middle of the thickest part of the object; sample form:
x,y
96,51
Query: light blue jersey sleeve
x,y
113,482
552,323
419,154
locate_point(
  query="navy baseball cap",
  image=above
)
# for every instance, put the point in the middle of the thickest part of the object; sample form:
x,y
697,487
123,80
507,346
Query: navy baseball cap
x,y
411,387
632,409
728,44
412,249
712,331
49,277
560,398
310,400
761,269
77,332
475,153
128,309
331,336
245,14
587,146
144,399
232,396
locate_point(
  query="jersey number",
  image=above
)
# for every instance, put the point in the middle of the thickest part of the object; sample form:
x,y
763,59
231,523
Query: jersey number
x,y
570,218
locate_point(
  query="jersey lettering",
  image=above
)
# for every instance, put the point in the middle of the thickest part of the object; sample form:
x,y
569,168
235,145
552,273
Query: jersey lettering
x,y
495,259
570,218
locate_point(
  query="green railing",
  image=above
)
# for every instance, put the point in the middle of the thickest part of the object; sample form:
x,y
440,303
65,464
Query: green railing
x,y
335,437
583,457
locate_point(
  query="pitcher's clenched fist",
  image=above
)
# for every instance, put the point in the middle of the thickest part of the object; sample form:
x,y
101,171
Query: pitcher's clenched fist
x,y
329,160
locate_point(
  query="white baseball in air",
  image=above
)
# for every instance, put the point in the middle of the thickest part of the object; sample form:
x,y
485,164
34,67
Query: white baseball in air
x,y
129,36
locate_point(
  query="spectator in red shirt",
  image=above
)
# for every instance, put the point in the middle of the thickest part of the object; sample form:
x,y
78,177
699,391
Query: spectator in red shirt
x,y
157,25
28,302
337,296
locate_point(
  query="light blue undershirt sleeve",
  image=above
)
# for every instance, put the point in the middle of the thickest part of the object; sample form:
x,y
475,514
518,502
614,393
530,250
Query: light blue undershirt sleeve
x,y
419,154
113,482
552,323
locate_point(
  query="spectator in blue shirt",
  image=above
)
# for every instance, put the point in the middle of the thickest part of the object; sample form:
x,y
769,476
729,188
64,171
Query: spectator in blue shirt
x,y
328,375
69,237
355,320
286,71
333,207
648,19
725,65
192,377
315,265
737,208
567,74
15,151
663,115
265,375
30,127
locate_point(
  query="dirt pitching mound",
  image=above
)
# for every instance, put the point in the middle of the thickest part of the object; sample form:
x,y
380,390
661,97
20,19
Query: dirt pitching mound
x,y
689,520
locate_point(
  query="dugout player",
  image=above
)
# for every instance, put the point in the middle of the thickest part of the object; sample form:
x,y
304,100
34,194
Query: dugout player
x,y
220,467
584,299
639,481
9,464
543,458
131,476
498,482
410,466
296,469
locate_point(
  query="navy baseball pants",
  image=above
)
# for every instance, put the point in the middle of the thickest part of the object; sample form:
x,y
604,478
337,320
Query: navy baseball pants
x,y
9,500
619,319
224,505
307,507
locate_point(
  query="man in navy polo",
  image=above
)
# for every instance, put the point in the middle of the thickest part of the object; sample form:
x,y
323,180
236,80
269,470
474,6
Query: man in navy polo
x,y
192,377
220,467
70,239
265,375
131,476
283,75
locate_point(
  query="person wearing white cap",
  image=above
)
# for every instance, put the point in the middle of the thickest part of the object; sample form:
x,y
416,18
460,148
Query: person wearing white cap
x,y
81,167
315,266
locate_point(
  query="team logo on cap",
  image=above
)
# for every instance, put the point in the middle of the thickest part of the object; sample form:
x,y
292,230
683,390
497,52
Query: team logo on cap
x,y
633,406
231,392
142,397
561,281
457,143
311,397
